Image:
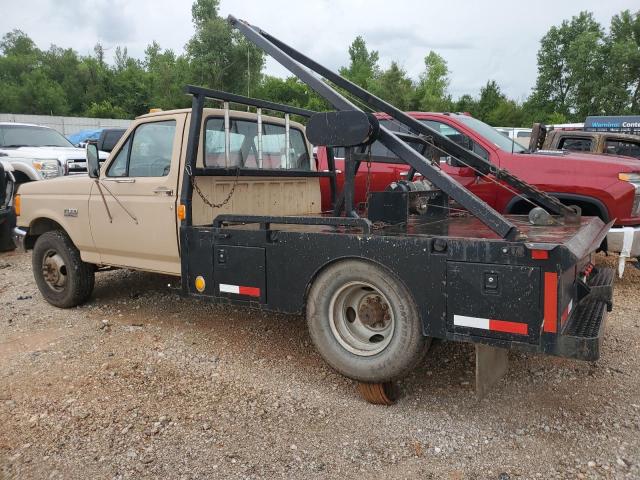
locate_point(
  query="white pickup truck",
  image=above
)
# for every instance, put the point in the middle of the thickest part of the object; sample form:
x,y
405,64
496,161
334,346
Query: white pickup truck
x,y
38,153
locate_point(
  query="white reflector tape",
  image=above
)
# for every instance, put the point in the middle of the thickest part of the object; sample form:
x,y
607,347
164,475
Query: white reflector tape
x,y
471,322
224,288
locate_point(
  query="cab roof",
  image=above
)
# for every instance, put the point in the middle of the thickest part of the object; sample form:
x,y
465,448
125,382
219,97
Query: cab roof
x,y
206,112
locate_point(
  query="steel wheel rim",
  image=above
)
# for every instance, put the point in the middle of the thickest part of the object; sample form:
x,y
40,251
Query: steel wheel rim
x,y
361,319
54,270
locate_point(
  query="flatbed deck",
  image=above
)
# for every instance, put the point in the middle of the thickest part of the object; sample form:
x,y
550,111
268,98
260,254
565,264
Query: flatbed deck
x,y
463,226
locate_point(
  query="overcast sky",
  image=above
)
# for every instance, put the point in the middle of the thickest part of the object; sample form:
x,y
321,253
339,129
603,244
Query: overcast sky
x,y
481,40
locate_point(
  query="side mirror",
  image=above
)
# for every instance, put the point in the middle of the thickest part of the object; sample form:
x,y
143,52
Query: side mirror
x,y
93,164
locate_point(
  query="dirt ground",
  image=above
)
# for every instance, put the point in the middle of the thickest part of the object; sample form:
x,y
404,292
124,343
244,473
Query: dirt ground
x,y
141,383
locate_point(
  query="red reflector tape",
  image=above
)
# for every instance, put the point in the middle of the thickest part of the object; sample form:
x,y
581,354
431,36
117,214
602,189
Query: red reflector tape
x,y
550,302
489,324
250,291
540,254
239,290
508,327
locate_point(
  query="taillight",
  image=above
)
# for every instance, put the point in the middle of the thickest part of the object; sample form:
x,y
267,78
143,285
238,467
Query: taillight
x,y
16,204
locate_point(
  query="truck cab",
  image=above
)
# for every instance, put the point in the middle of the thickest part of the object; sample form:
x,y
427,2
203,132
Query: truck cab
x,y
603,143
129,217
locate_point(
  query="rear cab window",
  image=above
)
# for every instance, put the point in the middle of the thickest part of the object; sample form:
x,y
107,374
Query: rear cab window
x,y
247,149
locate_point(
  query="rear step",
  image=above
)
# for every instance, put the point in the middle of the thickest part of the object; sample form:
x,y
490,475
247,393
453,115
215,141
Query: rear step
x,y
583,333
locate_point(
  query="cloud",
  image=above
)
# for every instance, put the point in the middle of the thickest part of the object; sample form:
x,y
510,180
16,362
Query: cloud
x,y
390,39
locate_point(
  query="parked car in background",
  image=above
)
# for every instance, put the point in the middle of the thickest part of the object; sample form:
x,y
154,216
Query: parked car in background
x,y
38,153
519,135
80,139
108,138
607,186
105,138
7,212
609,143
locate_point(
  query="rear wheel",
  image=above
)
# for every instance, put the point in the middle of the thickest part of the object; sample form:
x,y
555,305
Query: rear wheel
x,y
364,322
63,279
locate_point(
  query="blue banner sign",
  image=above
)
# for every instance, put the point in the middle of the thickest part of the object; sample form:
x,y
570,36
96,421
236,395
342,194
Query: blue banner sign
x,y
621,124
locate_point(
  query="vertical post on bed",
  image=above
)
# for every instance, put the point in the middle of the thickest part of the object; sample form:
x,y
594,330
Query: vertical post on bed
x,y
259,112
227,135
286,140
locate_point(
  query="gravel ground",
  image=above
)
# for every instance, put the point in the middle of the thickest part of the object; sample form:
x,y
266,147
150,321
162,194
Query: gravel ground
x,y
141,383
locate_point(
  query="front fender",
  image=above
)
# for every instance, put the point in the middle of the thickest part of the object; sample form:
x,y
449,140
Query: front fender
x,y
44,214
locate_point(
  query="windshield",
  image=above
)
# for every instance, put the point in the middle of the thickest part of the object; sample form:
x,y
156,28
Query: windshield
x,y
491,134
27,136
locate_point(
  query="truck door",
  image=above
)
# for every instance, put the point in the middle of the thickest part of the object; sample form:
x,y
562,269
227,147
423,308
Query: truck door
x,y
478,184
133,206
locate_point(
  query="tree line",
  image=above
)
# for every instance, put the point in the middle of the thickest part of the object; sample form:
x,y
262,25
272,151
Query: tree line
x,y
583,69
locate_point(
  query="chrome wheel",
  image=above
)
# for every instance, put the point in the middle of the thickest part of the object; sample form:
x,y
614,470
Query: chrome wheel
x,y
361,319
54,271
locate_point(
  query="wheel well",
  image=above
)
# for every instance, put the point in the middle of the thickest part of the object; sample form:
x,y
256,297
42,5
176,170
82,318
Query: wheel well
x,y
38,227
21,177
335,261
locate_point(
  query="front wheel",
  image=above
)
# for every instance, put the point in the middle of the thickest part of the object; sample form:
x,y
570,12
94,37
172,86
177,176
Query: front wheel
x,y
364,322
63,279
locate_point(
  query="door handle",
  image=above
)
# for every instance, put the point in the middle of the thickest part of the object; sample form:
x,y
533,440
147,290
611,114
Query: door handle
x,y
119,180
163,191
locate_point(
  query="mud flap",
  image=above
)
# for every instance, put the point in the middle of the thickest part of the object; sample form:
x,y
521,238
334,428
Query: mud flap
x,y
627,244
491,365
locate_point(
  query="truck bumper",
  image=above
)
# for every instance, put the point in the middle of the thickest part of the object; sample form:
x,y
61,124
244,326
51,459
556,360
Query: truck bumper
x,y
18,236
582,335
624,240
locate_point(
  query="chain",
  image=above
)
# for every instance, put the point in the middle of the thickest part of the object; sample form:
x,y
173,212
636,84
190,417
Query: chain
x,y
204,198
368,179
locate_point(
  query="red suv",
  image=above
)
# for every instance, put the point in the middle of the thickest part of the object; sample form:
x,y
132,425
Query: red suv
x,y
604,186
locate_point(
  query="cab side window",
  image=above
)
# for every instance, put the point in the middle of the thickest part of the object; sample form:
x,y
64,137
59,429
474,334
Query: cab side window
x,y
147,152
458,137
623,147
575,144
118,167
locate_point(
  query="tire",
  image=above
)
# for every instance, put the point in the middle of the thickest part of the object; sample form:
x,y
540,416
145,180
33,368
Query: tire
x,y
68,280
340,335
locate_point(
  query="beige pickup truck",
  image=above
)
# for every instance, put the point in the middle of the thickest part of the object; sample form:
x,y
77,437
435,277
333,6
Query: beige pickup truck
x,y
129,217
230,202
